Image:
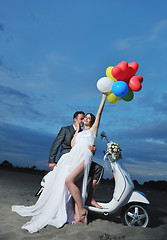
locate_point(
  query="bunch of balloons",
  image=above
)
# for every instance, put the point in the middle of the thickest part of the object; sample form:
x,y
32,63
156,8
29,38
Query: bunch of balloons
x,y
121,82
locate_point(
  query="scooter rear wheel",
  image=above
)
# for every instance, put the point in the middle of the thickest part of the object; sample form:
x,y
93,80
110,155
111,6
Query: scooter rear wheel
x,y
136,214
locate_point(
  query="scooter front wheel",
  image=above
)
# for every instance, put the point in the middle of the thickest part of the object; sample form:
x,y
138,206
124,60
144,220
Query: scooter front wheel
x,y
135,214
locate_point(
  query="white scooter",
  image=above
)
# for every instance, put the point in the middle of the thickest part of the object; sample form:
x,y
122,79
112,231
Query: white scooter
x,y
132,205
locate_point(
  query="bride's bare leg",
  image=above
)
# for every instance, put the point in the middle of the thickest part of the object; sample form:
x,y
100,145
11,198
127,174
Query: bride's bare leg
x,y
79,185
77,213
81,213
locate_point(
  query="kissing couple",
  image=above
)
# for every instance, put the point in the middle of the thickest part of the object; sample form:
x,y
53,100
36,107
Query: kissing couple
x,y
63,198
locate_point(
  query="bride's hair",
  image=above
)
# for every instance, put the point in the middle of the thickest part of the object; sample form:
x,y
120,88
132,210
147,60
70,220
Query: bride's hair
x,y
92,118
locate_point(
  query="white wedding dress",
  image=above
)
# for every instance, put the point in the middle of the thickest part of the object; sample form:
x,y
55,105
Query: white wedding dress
x,y
55,205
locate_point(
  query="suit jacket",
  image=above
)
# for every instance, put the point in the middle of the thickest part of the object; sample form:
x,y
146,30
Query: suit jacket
x,y
63,139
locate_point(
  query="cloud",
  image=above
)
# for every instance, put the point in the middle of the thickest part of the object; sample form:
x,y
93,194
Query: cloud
x,y
127,43
161,106
158,29
151,130
23,146
151,140
38,112
15,104
149,169
139,41
7,91
130,120
6,72
155,107
56,59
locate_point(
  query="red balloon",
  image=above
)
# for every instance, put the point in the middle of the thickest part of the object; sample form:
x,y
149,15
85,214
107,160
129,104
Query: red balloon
x,y
119,72
134,66
140,78
123,65
124,71
135,83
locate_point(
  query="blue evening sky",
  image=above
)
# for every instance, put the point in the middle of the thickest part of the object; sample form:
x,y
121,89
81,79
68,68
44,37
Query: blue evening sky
x,y
52,53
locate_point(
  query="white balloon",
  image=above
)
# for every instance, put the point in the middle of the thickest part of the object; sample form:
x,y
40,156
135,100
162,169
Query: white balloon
x,y
104,84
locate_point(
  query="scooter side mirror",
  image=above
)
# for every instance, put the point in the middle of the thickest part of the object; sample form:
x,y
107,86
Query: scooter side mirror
x,y
103,136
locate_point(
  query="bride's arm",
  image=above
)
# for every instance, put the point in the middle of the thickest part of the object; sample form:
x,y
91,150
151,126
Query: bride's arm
x,y
73,139
98,115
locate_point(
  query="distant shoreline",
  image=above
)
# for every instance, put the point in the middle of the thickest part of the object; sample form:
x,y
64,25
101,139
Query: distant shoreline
x,y
23,169
157,185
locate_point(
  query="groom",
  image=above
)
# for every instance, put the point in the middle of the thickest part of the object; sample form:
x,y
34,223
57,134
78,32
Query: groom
x,y
63,139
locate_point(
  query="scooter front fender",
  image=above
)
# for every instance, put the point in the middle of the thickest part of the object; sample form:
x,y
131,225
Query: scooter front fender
x,y
138,196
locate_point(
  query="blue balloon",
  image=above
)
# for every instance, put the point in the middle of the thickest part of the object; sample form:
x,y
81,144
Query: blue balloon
x,y
120,88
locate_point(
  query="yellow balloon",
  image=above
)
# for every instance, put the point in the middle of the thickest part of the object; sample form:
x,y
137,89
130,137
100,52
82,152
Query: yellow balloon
x,y
112,98
108,73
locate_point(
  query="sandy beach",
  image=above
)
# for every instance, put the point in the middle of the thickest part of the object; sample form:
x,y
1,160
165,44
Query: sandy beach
x,y
19,188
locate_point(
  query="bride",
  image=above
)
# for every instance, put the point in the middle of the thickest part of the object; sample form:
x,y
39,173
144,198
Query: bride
x,y
67,183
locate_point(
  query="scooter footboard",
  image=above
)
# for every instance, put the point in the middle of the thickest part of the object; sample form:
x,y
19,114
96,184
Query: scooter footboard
x,y
109,207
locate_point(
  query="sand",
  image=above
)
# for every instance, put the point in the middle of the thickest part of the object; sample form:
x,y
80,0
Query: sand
x,y
19,188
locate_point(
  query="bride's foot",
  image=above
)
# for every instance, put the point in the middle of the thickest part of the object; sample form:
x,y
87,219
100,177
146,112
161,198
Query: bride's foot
x,y
83,218
95,204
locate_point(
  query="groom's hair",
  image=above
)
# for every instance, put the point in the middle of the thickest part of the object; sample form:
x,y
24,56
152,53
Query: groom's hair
x,y
92,118
78,112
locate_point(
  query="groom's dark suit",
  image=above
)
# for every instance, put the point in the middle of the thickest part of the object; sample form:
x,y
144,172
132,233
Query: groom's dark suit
x,y
63,139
